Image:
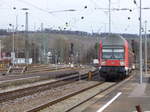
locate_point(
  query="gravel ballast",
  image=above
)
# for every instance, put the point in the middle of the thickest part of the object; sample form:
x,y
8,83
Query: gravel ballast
x,y
25,103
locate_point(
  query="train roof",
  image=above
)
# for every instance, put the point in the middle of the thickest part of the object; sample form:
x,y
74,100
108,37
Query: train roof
x,y
113,40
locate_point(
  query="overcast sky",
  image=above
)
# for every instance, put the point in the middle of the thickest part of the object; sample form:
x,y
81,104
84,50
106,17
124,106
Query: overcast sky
x,y
95,19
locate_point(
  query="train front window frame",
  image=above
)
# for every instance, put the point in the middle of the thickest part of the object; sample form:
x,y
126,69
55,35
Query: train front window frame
x,y
113,53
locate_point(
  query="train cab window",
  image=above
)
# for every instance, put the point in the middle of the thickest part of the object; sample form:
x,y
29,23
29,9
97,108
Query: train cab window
x,y
107,53
118,53
113,53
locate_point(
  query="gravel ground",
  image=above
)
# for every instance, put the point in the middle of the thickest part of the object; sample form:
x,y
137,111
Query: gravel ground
x,y
11,88
11,81
75,100
25,103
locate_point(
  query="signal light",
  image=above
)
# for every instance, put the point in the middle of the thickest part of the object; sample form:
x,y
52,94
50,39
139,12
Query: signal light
x,y
85,7
82,17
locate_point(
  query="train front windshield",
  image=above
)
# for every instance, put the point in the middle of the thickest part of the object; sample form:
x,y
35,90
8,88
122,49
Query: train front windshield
x,y
113,53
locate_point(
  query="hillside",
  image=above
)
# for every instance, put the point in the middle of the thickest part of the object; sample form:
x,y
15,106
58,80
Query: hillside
x,y
64,46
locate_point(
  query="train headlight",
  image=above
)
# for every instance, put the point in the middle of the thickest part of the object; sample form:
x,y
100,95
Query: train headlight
x,y
126,68
133,67
122,63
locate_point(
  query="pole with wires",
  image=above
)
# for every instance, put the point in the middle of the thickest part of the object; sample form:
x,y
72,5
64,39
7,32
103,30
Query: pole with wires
x,y
26,41
0,49
26,36
109,16
146,47
140,28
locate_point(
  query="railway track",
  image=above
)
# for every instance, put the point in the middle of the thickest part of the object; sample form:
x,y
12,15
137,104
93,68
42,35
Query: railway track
x,y
40,107
33,69
63,98
45,106
106,91
47,69
10,95
9,81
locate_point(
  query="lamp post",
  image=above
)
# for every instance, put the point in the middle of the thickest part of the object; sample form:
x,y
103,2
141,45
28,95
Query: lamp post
x,y
26,34
13,39
13,43
14,8
140,36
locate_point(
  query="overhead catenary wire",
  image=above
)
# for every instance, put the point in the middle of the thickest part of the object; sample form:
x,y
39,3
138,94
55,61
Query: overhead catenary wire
x,y
52,13
117,9
95,3
42,10
57,15
58,11
32,5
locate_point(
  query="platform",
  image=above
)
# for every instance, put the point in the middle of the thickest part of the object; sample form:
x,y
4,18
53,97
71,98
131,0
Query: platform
x,y
125,98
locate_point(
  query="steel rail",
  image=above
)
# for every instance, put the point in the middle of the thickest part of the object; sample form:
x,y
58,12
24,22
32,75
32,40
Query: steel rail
x,y
100,92
50,70
45,105
10,95
42,106
91,97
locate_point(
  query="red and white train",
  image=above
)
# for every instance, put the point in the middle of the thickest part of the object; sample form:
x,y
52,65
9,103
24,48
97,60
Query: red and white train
x,y
116,58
